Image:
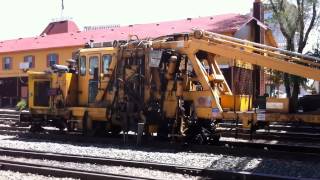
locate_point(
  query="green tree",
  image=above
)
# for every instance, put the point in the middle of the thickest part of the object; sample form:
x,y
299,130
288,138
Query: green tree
x,y
295,17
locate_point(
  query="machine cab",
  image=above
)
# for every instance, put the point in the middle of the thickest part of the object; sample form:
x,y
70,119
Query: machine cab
x,y
95,69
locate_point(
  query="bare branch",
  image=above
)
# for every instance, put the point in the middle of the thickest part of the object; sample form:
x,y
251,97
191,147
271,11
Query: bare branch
x,y
300,7
311,25
288,27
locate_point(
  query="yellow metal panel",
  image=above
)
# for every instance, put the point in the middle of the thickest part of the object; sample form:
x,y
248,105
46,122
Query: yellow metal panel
x,y
96,114
308,118
170,108
204,113
246,119
239,102
229,115
78,111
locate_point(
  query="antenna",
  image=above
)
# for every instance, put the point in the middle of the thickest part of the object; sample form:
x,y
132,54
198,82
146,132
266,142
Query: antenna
x,y
62,8
62,17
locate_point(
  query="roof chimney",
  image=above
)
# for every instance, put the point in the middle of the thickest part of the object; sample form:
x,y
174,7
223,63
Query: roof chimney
x,y
57,27
257,75
258,11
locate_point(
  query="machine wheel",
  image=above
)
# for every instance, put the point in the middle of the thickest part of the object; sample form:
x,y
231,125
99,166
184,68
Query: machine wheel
x,y
99,128
163,129
61,125
199,139
115,130
36,128
215,139
71,126
85,123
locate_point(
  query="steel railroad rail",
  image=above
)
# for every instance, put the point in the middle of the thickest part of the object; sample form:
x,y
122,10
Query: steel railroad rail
x,y
280,127
298,149
60,172
64,172
280,146
274,132
276,135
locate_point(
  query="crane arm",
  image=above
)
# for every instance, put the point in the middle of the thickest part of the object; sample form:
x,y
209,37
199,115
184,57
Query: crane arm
x,y
257,54
233,48
247,51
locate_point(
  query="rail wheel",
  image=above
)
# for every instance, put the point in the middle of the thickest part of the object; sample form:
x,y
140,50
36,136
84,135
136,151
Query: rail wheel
x,y
85,120
36,128
99,128
36,124
61,125
115,130
163,130
71,126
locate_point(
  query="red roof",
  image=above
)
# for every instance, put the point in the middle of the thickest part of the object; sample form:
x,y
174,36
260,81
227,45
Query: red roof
x,y
53,39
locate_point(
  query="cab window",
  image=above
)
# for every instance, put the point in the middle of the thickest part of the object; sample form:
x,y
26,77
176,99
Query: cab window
x,y
106,60
93,63
82,65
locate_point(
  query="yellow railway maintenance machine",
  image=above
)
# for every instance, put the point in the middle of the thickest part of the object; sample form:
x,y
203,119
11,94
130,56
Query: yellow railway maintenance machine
x,y
172,85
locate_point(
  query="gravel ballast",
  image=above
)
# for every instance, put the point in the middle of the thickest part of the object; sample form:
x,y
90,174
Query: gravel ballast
x,y
202,160
10,175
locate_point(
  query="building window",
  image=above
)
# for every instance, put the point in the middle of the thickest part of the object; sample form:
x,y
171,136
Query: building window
x,y
30,59
7,63
52,59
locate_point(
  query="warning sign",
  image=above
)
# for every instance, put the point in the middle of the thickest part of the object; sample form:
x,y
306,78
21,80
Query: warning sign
x,y
155,58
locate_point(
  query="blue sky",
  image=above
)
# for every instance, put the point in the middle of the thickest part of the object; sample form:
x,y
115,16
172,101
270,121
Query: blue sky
x,y
25,18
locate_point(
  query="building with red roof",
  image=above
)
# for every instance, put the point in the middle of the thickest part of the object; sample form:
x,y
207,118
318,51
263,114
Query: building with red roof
x,y
60,39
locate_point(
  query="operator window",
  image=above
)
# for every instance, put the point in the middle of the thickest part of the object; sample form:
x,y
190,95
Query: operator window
x,y
93,64
106,63
82,65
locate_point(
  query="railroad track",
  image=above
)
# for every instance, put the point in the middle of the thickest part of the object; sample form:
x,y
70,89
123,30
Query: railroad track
x,y
298,149
280,136
286,127
247,149
280,132
59,172
64,172
263,145
267,148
